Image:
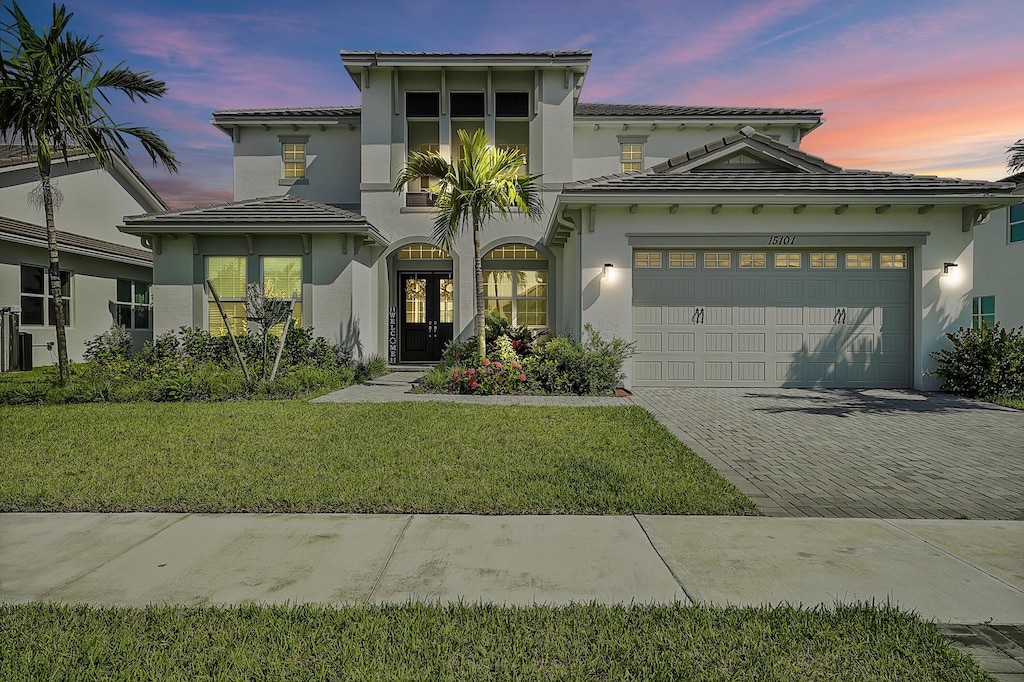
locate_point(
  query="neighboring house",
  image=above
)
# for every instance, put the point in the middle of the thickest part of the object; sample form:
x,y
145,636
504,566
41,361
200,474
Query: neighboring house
x,y
703,233
999,253
107,272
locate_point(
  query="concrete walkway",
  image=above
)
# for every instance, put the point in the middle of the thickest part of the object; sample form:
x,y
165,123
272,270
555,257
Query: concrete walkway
x,y
947,571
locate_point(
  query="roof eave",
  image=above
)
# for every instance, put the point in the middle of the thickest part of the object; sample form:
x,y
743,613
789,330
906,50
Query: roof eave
x,y
142,227
27,240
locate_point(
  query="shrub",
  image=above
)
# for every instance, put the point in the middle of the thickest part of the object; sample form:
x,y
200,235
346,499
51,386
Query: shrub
x,y
592,367
113,345
488,378
983,363
373,366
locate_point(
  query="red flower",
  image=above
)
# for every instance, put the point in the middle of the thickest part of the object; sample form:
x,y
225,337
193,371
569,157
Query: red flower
x,y
485,362
497,365
522,377
455,374
472,384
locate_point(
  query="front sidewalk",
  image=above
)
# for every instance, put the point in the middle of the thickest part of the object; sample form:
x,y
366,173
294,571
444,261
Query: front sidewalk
x,y
947,571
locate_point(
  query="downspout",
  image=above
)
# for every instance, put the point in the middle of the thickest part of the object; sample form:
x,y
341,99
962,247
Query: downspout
x,y
565,221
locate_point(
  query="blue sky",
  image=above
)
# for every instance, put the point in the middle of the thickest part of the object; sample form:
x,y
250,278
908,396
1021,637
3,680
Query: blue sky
x,y
932,87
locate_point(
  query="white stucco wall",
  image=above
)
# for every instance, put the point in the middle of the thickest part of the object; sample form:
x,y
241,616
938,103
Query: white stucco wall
x,y
942,303
332,163
597,152
94,200
1000,270
93,293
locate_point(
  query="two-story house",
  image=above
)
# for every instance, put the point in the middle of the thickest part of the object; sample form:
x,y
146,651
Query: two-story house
x,y
703,233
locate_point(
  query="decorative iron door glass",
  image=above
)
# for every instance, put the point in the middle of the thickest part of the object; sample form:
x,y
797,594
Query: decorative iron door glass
x,y
428,311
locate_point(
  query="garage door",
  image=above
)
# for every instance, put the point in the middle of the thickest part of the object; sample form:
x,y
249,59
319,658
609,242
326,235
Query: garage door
x,y
772,318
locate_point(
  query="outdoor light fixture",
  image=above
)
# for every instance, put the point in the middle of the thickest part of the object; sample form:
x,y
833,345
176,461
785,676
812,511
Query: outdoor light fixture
x,y
947,266
608,268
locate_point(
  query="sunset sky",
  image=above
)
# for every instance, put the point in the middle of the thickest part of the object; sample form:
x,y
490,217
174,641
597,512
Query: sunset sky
x,y
920,86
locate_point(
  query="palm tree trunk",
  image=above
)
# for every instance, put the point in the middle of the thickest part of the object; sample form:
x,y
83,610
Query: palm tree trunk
x,y
478,266
56,293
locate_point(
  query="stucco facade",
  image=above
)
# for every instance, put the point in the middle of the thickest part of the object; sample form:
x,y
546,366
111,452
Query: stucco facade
x,y
94,253
619,182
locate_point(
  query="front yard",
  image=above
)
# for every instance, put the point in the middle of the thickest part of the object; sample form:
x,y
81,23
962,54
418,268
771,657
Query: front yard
x,y
475,642
294,456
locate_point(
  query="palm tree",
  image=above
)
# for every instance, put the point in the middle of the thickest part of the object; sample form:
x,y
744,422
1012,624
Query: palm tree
x,y
53,93
483,183
1016,152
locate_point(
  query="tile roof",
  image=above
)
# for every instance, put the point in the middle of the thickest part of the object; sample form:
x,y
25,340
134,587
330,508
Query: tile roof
x,y
550,53
799,173
665,110
295,112
1016,178
268,212
73,242
749,181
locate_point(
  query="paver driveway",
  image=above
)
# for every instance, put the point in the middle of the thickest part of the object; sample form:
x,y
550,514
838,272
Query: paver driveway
x,y
854,453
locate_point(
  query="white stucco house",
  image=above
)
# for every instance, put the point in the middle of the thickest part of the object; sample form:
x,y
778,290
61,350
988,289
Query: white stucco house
x,y
731,257
107,273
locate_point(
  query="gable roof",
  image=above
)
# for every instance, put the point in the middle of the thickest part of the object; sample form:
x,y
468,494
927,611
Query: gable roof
x,y
35,235
788,171
277,214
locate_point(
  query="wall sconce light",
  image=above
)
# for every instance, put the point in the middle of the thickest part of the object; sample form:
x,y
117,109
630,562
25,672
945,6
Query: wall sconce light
x,y
947,266
608,269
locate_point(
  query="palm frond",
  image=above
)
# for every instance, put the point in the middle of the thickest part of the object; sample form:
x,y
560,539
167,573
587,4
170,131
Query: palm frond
x,y
1016,156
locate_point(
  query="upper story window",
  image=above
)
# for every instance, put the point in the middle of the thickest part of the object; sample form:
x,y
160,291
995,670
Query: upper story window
x,y
37,306
1017,223
422,104
631,157
293,159
134,308
511,105
467,105
631,152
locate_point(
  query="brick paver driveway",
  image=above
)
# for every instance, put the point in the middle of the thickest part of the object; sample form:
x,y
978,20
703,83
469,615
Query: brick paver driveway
x,y
854,453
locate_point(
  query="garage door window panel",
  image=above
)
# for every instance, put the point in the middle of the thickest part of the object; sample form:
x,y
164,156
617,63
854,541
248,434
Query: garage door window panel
x,y
892,261
682,259
859,261
788,260
752,260
647,259
828,261
717,260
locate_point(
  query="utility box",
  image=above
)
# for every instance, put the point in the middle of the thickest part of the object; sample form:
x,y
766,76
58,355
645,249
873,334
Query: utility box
x,y
10,347
25,351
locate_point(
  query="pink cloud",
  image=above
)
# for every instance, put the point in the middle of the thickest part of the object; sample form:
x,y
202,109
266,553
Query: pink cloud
x,y
182,192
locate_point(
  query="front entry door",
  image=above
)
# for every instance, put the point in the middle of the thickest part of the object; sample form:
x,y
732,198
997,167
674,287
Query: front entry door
x,y
427,315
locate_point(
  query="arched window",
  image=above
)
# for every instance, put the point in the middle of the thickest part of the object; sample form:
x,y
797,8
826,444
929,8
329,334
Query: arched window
x,y
516,284
423,252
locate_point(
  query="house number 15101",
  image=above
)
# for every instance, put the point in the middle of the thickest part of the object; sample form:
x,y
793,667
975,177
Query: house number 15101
x,y
784,240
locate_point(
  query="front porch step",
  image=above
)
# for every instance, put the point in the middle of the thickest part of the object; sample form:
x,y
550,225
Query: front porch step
x,y
419,369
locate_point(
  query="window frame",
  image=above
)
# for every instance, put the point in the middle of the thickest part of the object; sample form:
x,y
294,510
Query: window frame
x,y
752,260
784,260
823,257
514,264
687,260
48,320
860,259
717,259
211,304
294,140
1015,228
132,305
647,260
297,313
979,318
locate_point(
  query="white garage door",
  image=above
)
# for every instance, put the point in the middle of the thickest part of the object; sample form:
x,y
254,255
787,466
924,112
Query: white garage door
x,y
772,318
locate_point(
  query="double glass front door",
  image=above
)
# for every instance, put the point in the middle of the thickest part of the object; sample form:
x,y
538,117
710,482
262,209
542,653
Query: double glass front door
x,y
428,310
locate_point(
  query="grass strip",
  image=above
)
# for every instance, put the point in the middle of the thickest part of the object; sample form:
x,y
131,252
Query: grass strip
x,y
385,458
474,642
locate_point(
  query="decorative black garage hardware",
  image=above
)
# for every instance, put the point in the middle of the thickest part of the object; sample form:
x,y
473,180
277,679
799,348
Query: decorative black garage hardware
x,y
698,316
840,316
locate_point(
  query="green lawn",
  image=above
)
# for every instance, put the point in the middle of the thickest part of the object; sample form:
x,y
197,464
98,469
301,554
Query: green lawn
x,y
479,642
295,456
1017,403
